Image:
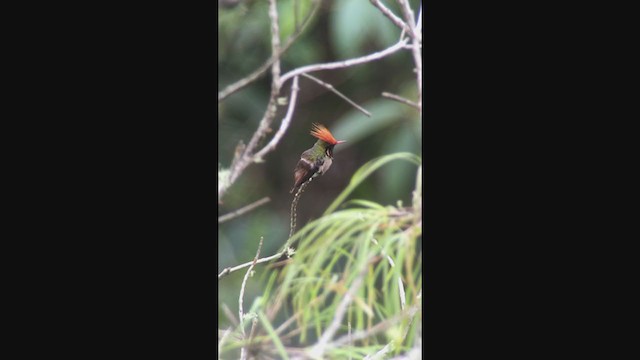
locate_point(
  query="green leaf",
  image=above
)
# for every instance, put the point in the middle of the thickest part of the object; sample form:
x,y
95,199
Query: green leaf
x,y
366,170
272,334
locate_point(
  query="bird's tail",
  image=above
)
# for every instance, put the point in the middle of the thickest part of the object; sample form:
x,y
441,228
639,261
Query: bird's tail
x,y
294,205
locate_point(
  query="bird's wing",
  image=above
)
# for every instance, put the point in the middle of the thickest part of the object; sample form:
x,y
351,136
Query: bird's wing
x,y
304,171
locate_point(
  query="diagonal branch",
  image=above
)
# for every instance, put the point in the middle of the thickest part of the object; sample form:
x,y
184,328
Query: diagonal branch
x,y
410,312
238,85
320,347
229,270
242,159
243,351
394,19
222,340
275,41
246,155
334,90
345,63
227,217
416,44
400,99
284,125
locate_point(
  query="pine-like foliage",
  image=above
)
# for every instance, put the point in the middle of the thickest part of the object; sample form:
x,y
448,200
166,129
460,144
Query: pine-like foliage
x,y
366,252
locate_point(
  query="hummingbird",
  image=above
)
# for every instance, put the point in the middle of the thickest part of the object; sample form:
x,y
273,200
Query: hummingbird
x,y
317,160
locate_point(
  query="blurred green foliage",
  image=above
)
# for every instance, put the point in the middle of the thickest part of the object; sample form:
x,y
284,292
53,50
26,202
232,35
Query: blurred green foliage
x,y
339,29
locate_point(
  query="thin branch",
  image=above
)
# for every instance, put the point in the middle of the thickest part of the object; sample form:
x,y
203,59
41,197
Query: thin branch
x,y
243,210
284,125
243,351
389,14
270,113
275,41
331,88
417,54
363,334
390,346
345,63
400,99
382,353
289,321
320,347
230,89
408,14
253,329
229,314
229,270
419,23
292,333
222,339
241,161
379,327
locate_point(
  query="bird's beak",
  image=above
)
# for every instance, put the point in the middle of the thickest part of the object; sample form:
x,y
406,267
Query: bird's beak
x,y
341,141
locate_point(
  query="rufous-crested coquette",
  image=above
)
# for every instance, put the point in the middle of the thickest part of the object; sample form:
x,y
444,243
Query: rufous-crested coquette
x,y
317,160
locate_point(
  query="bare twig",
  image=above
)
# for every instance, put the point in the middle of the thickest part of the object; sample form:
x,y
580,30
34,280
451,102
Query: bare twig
x,y
222,339
243,351
381,326
334,90
243,210
319,348
241,161
408,16
275,40
292,333
394,19
400,99
253,329
293,318
382,353
284,125
230,89
417,54
345,63
229,270
419,23
410,313
270,113
229,314
390,346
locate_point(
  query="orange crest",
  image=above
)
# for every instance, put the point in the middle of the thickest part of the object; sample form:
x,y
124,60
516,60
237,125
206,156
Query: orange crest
x,y
322,133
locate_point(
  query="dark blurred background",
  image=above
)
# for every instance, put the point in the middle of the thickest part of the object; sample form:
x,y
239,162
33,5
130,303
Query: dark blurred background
x,y
339,30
